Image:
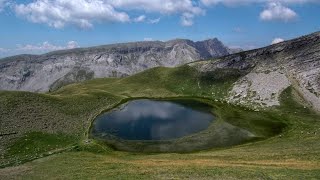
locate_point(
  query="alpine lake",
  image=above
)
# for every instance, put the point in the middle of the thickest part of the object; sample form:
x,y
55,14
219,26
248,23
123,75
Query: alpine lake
x,y
173,125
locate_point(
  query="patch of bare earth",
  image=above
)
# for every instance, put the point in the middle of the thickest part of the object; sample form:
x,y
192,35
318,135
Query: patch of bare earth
x,y
14,172
290,164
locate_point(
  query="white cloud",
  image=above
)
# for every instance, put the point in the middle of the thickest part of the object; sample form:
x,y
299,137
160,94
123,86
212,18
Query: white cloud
x,y
37,48
276,11
154,21
187,19
58,13
277,40
141,18
148,39
3,50
238,30
228,2
296,1
158,6
46,46
72,45
241,2
3,4
84,13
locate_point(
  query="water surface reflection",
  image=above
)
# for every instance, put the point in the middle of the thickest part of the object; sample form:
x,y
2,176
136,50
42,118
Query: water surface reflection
x,y
154,120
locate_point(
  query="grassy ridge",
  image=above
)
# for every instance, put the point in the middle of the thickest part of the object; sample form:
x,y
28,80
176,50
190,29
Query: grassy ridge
x,y
161,82
67,112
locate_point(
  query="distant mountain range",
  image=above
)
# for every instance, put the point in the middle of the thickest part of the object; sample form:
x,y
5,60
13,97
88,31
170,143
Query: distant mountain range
x,y
41,73
262,73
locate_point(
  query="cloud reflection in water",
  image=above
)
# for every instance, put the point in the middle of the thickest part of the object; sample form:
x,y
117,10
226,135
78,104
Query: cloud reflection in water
x,y
153,120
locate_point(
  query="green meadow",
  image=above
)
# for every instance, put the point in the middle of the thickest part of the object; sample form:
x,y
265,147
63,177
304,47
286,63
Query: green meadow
x,y
46,136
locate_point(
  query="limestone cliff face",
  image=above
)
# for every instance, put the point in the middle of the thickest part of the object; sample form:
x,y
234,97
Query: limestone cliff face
x,y
266,72
53,70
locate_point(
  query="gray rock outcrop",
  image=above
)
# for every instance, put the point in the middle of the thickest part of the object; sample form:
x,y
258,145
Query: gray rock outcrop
x,y
266,72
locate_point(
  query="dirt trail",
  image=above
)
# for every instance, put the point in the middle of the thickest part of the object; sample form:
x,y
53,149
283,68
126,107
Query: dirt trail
x,y
291,164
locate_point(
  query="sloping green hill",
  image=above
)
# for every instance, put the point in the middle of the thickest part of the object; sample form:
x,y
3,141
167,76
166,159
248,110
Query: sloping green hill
x,y
36,125
47,135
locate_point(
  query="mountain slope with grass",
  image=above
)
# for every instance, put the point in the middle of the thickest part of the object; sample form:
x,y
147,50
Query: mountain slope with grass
x,y
47,135
264,73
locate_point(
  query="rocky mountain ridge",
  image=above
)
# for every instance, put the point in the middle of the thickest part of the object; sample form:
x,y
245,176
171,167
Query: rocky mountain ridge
x,y
41,73
264,73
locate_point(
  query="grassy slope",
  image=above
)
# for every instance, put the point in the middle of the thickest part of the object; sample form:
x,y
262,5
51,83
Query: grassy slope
x,y
293,154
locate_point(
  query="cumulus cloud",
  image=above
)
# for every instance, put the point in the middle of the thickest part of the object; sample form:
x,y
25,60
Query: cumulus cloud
x,y
228,2
58,13
36,48
276,11
83,13
3,4
238,30
154,21
143,18
72,45
140,18
46,47
148,39
296,1
277,40
159,6
3,50
241,2
187,19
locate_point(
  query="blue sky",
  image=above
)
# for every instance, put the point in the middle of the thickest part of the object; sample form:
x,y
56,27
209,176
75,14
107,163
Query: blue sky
x,y
39,26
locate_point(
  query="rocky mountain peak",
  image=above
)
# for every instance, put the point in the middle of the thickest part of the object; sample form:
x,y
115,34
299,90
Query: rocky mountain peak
x,y
212,47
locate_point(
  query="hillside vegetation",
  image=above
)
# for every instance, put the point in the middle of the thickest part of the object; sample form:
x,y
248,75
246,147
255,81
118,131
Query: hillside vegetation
x,y
56,125
266,102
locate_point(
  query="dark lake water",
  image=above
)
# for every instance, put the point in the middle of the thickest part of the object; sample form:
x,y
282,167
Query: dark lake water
x,y
154,120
